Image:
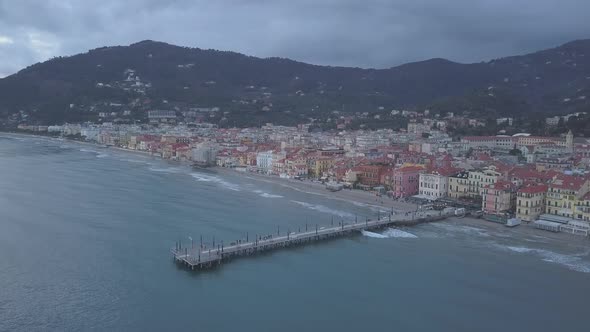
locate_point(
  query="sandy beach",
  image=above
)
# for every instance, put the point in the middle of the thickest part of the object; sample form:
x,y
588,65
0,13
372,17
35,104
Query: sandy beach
x,y
317,188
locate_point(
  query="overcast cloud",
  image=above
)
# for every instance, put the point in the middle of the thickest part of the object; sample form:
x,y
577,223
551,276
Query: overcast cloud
x,y
365,33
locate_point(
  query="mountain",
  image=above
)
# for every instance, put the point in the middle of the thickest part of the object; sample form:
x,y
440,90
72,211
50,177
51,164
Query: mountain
x,y
155,75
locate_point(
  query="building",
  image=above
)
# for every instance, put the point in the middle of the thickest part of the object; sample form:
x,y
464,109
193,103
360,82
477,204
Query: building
x,y
507,121
554,163
569,141
565,194
491,142
498,197
369,175
535,140
204,155
321,165
406,181
161,116
264,161
435,184
459,185
530,201
552,121
477,179
584,208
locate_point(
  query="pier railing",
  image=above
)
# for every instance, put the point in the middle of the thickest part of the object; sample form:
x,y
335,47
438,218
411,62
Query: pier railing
x,y
202,257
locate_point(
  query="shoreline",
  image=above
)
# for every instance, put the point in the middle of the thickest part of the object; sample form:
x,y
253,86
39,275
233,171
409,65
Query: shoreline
x,y
353,196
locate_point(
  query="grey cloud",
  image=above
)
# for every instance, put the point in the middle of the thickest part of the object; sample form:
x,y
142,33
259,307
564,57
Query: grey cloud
x,y
369,33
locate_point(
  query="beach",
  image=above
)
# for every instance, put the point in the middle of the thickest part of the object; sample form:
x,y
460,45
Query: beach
x,y
317,188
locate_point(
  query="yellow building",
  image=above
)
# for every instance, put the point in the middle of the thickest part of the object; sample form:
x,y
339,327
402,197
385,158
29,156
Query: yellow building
x,y
459,185
321,165
477,179
584,207
530,202
565,194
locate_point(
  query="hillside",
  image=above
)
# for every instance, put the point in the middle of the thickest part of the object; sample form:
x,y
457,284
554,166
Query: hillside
x,y
154,75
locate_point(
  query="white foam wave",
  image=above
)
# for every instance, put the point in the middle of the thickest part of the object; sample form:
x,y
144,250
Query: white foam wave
x,y
469,230
165,170
374,235
137,161
573,262
265,194
394,232
102,155
390,233
325,209
87,150
210,178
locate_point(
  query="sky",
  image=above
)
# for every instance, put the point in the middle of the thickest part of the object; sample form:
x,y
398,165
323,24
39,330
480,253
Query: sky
x,y
361,33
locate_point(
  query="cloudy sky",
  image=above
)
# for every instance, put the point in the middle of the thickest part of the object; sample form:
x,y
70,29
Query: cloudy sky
x,y
365,33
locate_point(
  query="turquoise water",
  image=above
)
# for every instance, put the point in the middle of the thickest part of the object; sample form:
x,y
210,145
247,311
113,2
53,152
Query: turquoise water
x,y
85,234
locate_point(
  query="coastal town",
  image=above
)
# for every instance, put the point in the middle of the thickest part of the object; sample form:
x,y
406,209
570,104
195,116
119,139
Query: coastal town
x,y
540,179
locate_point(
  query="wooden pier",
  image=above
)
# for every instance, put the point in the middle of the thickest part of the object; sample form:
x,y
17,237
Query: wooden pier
x,y
199,257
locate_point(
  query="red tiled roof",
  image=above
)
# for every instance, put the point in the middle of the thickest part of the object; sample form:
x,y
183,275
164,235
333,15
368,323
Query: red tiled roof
x,y
409,169
533,189
569,182
501,185
444,171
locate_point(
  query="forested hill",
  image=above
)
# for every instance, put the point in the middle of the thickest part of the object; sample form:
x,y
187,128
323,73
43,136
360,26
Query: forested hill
x,y
155,75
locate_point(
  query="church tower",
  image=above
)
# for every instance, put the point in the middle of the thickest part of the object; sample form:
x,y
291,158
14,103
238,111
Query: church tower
x,y
569,141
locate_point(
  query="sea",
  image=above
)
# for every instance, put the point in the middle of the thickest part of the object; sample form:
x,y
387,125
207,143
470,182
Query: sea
x,y
86,232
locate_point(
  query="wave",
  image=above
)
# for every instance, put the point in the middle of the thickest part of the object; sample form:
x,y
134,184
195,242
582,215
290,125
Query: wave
x,y
374,235
165,170
394,232
210,178
102,155
266,195
324,209
137,161
469,230
87,150
573,262
390,233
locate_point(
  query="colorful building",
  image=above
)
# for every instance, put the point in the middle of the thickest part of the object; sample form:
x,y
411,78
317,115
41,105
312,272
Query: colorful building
x,y
530,201
499,197
459,185
435,184
565,194
406,181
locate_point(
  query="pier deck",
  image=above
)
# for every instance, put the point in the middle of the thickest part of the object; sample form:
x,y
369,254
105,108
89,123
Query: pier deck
x,y
197,258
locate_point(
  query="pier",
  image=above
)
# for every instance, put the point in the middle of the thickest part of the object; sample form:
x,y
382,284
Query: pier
x,y
200,258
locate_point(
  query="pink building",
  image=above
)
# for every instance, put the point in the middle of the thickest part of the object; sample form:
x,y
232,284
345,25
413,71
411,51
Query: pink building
x,y
499,197
405,181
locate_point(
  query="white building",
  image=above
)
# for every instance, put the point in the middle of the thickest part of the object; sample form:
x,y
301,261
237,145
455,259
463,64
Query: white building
x,y
264,161
90,133
204,154
552,121
435,184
